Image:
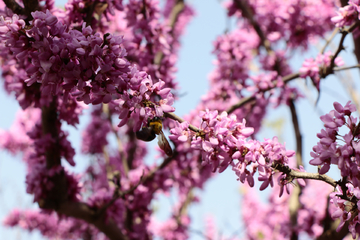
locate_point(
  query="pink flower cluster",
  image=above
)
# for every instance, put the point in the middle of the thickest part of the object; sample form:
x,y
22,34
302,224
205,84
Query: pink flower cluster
x,y
340,149
229,81
174,228
39,177
26,136
78,10
347,207
149,40
16,139
50,225
136,104
82,64
262,217
348,14
223,142
313,67
95,135
295,22
343,150
219,136
61,55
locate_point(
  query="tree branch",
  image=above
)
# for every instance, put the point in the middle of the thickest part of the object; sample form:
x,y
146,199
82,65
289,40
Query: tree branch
x,y
175,13
57,196
298,136
294,202
83,211
356,38
292,76
50,125
243,101
341,47
246,11
173,116
30,6
15,7
331,233
328,41
346,68
304,175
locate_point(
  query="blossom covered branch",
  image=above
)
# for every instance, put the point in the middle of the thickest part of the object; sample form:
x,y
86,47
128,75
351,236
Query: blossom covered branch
x,y
119,57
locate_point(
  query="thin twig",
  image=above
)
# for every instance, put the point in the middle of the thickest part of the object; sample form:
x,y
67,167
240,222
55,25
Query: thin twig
x,y
175,13
246,11
304,175
337,69
106,110
173,116
297,133
143,179
118,194
83,211
286,79
348,82
328,41
341,47
294,201
243,101
290,77
356,38
294,206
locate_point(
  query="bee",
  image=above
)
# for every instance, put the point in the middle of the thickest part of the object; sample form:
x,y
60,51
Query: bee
x,y
153,128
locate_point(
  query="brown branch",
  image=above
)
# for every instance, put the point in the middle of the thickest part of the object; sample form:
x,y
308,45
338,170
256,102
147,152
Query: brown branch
x,y
50,125
184,206
119,194
341,47
327,71
297,133
294,202
331,233
330,226
89,10
173,116
346,68
304,175
106,110
246,11
293,76
82,211
243,101
294,206
15,7
57,196
356,38
328,41
30,6
175,13
166,162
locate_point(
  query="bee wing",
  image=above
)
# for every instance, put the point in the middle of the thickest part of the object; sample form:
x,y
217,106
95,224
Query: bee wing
x,y
164,144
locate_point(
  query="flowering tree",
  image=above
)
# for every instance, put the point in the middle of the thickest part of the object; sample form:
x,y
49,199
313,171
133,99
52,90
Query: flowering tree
x,y
119,59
